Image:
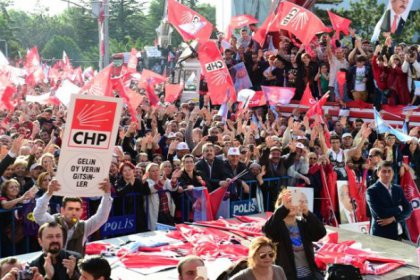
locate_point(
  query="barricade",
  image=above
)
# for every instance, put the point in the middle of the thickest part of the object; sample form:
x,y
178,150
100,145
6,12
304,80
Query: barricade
x,y
123,217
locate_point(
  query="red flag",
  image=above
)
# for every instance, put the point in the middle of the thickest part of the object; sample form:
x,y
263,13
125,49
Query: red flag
x,y
32,60
341,81
6,98
238,22
329,195
66,62
357,193
411,192
278,95
257,100
78,76
216,198
151,95
215,72
190,24
316,109
339,23
173,92
299,21
132,98
152,77
307,98
100,85
261,33
132,61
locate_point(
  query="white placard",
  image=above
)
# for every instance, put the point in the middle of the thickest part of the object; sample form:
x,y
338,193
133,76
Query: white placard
x,y
362,227
305,193
87,146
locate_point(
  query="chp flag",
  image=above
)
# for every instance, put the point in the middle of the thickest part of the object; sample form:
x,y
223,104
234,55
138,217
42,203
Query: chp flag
x,y
88,143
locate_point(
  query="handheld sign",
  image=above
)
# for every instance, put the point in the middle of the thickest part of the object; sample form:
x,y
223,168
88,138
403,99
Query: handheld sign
x,y
87,146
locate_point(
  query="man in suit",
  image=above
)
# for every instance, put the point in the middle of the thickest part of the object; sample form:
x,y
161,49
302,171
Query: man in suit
x,y
55,263
394,18
387,204
233,167
211,168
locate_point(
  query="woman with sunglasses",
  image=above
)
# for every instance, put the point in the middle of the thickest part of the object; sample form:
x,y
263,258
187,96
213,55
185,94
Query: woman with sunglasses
x,y
294,237
261,256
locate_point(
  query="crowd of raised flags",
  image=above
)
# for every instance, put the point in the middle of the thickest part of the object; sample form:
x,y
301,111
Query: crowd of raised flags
x,y
246,119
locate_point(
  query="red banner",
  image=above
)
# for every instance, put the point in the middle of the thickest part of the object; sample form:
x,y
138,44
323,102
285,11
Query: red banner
x,y
215,72
411,192
190,24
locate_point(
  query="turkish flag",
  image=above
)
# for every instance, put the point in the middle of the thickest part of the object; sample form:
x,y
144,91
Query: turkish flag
x,y
66,62
411,192
190,24
257,100
132,61
339,23
215,72
6,98
100,85
32,60
307,98
329,195
278,95
316,109
173,92
299,21
151,95
216,198
238,22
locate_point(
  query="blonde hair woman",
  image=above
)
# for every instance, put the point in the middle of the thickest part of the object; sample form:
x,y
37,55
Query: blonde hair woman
x,y
261,256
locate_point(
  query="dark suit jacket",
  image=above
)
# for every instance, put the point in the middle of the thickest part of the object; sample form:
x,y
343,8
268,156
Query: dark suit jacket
x,y
217,174
382,205
310,228
387,22
59,269
5,162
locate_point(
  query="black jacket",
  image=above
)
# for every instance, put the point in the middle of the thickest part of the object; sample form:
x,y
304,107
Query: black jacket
x,y
59,269
217,174
311,229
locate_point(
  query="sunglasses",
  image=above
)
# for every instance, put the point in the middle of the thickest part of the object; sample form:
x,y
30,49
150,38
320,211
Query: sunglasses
x,y
313,158
264,255
370,156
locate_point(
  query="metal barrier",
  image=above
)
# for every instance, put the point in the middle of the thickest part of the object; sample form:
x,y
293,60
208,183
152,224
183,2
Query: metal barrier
x,y
125,215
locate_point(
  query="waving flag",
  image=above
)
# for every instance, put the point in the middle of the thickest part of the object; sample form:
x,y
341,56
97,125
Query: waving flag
x,y
411,192
341,82
202,206
238,22
65,90
215,72
242,80
190,24
132,61
66,62
299,21
317,109
245,96
131,98
152,77
173,92
100,85
307,98
339,24
278,95
383,127
357,192
257,100
261,33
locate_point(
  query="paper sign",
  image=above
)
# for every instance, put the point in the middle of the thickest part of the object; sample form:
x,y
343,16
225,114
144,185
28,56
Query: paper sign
x,y
362,227
88,142
303,195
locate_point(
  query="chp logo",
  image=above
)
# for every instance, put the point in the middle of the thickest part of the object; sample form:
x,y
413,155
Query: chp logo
x,y
92,123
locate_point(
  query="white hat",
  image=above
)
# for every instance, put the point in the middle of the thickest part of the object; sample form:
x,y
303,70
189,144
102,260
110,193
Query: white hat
x,y
346,135
182,146
233,151
301,138
300,145
171,135
35,165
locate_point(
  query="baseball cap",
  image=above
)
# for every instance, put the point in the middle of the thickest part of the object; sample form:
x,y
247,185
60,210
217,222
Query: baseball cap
x,y
300,145
171,135
234,151
346,135
182,146
275,148
34,166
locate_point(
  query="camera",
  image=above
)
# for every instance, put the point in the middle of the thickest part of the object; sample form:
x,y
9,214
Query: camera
x,y
25,274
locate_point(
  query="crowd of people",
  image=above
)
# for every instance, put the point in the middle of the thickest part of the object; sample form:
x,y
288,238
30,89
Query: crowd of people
x,y
174,148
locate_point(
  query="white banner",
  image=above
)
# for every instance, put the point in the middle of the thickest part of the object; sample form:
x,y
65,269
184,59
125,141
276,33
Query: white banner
x,y
303,195
87,146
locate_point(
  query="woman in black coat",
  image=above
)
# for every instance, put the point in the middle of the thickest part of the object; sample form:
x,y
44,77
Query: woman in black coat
x,y
130,196
294,237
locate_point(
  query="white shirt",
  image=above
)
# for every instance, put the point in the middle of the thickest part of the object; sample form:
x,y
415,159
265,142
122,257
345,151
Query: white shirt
x,y
335,66
360,84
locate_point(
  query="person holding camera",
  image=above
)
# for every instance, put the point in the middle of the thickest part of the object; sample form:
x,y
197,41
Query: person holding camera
x,y
294,237
12,269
